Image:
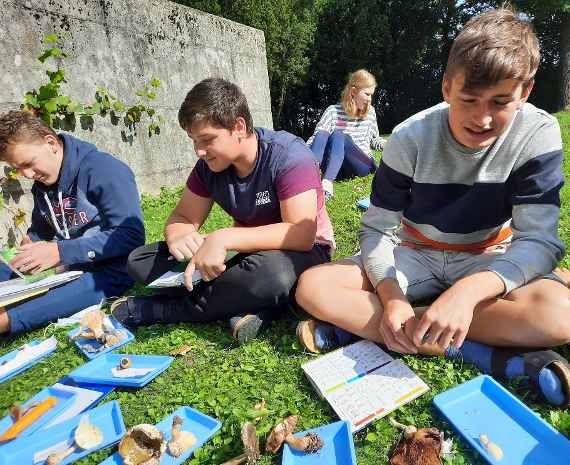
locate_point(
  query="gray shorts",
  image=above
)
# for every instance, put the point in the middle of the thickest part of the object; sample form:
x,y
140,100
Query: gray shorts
x,y
425,273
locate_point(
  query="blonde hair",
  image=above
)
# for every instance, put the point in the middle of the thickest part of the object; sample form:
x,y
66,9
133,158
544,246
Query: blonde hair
x,y
360,79
494,46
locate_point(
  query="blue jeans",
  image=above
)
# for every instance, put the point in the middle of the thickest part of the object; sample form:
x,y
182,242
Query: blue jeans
x,y
340,157
89,289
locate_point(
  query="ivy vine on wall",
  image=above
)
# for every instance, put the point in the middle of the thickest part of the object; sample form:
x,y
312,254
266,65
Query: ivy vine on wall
x,y
62,112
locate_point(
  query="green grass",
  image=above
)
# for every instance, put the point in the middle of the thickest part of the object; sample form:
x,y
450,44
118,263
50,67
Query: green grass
x,y
226,381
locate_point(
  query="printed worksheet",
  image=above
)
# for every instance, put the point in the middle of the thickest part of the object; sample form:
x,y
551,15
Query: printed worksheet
x,y
362,382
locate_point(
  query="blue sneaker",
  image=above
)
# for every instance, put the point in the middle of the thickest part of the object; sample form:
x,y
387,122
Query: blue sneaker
x,y
317,336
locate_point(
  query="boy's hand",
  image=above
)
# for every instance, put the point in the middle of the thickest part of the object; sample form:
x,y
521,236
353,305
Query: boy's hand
x,y
447,320
397,326
25,240
35,257
185,247
208,260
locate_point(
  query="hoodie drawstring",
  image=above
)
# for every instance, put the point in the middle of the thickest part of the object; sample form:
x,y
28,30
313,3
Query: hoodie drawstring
x,y
65,232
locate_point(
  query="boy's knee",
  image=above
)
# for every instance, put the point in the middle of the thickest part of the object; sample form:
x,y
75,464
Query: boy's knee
x,y
308,289
554,313
133,267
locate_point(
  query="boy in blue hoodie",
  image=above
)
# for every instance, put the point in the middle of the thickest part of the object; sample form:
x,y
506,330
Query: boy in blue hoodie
x,y
86,217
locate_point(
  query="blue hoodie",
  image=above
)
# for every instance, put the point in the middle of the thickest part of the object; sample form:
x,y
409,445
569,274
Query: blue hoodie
x,y
102,219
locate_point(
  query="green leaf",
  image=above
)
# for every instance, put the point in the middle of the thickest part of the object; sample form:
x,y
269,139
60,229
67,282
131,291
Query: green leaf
x,y
50,39
51,105
151,95
62,100
47,92
51,52
371,437
155,82
119,106
74,107
140,93
31,100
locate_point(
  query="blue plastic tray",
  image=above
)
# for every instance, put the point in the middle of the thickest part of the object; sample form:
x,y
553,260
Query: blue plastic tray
x,y
203,426
11,355
91,355
107,417
98,370
337,450
483,406
363,204
104,389
64,401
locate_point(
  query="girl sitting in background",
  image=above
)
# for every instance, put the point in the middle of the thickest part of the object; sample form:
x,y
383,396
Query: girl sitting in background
x,y
347,132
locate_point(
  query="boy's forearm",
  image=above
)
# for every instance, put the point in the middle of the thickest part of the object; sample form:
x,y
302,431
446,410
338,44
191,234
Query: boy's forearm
x,y
177,226
480,286
277,236
388,290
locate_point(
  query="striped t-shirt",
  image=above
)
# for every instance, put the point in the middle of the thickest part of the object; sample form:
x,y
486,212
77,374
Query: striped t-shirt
x,y
363,131
431,191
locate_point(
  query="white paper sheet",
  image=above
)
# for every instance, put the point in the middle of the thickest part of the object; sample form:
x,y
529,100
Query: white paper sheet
x,y
83,399
27,354
361,382
174,279
130,372
14,287
76,317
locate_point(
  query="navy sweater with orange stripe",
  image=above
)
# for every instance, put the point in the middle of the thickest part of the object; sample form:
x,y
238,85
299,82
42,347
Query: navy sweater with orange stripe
x,y
431,191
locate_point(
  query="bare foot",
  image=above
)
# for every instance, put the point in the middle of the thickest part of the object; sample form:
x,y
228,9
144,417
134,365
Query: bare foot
x,y
563,274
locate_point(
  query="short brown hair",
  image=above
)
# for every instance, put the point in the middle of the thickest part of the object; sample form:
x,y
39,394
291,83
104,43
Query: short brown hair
x,y
360,79
216,101
21,126
496,45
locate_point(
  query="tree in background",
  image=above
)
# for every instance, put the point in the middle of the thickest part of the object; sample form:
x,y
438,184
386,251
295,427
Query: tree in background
x,y
289,27
312,46
552,22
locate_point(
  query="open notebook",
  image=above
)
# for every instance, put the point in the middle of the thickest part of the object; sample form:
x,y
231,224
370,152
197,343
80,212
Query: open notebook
x,y
17,289
361,382
175,277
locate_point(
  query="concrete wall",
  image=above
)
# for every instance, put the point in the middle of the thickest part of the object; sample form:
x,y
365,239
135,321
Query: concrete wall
x,y
121,45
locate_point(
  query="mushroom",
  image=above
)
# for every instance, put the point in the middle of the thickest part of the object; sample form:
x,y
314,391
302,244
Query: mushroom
x,y
93,321
494,450
283,432
142,445
250,445
181,440
124,363
87,436
418,447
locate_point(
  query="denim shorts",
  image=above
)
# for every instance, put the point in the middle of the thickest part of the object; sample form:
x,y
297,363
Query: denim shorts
x,y
425,273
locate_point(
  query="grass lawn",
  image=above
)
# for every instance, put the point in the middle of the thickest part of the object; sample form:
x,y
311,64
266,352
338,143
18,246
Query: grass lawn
x,y
226,381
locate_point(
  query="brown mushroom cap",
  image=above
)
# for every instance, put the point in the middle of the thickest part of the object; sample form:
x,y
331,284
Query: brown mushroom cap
x,y
280,432
250,442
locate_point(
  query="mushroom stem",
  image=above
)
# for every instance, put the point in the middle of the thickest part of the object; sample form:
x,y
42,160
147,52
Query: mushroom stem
x,y
409,430
309,444
236,460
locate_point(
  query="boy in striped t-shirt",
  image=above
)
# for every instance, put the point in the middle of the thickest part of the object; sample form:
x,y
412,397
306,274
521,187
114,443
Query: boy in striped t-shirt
x,y
464,210
347,132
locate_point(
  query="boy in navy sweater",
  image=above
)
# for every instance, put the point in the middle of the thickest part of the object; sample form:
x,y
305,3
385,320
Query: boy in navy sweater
x,y
86,217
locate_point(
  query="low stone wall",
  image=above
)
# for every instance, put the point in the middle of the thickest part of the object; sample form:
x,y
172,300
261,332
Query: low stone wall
x,y
122,45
